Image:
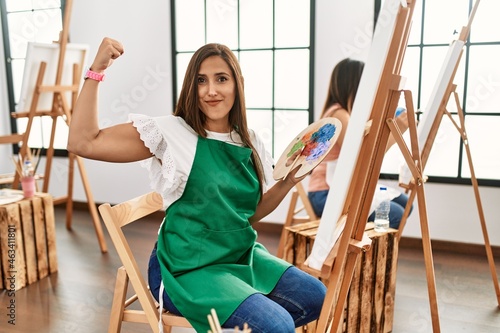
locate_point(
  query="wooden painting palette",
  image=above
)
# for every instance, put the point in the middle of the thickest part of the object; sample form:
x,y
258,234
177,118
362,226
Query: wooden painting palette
x,y
308,148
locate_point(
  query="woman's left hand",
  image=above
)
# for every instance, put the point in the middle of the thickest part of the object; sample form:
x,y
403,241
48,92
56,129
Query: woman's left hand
x,y
291,176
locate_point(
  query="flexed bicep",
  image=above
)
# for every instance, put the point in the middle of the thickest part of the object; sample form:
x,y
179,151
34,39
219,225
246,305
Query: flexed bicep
x,y
119,143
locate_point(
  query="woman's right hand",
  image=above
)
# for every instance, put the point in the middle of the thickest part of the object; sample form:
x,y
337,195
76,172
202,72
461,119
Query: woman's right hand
x,y
109,50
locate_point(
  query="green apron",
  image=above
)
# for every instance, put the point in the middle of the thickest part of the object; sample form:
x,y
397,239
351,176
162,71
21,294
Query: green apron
x,y
207,249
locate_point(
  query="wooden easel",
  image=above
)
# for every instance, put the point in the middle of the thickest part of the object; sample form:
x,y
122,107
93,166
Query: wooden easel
x,y
450,92
339,265
61,108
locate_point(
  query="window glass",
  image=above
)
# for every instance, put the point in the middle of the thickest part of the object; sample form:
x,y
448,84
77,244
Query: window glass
x,y
17,5
410,71
443,19
257,68
292,23
432,62
33,26
256,24
222,22
190,24
433,58
444,154
291,80
485,156
486,26
182,63
31,21
483,86
261,121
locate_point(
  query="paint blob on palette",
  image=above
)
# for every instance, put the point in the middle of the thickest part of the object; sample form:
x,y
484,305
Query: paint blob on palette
x,y
308,148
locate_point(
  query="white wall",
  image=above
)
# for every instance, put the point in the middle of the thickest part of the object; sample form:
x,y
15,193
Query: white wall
x,y
342,30
138,82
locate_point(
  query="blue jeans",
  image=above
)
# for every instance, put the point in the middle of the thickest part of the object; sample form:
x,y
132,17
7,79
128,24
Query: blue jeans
x,y
398,205
295,301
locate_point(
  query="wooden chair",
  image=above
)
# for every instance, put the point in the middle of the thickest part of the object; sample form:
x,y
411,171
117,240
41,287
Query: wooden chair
x,y
115,218
293,216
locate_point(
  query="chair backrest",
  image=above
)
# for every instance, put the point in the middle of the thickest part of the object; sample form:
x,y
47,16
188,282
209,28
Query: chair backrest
x,y
115,218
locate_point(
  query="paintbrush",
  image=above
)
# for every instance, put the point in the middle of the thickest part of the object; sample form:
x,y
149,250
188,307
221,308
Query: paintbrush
x,y
19,169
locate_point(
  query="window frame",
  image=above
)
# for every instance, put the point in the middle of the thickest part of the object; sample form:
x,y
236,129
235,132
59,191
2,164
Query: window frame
x,y
10,77
273,108
465,61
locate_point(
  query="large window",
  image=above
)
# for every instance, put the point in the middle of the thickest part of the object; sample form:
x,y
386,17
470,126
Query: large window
x,y
435,25
272,40
26,21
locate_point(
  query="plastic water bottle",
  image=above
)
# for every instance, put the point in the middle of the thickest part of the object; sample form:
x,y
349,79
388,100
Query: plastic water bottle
x,y
382,212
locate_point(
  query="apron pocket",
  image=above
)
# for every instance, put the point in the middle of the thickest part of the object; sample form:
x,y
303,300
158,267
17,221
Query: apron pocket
x,y
226,246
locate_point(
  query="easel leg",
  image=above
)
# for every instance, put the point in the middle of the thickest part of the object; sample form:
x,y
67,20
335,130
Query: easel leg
x,y
92,206
352,258
49,157
475,185
413,159
325,319
429,262
69,201
489,253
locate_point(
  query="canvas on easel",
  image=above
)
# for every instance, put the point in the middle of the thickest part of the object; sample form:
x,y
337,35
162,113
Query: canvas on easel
x,y
341,234
443,92
48,53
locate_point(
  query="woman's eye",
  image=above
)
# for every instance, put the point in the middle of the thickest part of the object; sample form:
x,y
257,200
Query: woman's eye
x,y
223,79
201,80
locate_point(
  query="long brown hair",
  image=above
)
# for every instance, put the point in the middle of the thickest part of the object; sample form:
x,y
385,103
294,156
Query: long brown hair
x,y
188,104
344,83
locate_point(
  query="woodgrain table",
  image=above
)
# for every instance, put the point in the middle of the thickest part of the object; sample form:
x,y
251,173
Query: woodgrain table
x,y
370,302
27,241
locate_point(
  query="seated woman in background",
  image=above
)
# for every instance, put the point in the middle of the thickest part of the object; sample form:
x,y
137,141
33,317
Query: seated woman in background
x,y
344,84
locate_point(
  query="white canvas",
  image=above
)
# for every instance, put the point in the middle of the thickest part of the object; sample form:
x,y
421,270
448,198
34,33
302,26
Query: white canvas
x,y
432,107
328,230
49,53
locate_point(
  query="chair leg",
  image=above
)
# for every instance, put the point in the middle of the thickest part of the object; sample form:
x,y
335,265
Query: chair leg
x,y
167,329
120,294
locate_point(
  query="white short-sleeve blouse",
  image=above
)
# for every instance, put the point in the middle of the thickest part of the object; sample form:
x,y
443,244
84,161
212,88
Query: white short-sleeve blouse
x,y
173,144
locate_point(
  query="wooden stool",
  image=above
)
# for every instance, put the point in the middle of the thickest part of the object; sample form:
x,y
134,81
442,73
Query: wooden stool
x,y
27,241
370,303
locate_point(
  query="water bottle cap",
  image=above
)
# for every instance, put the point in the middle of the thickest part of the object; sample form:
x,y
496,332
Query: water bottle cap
x,y
383,188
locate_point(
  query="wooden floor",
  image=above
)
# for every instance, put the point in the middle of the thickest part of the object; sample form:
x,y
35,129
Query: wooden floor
x,y
78,297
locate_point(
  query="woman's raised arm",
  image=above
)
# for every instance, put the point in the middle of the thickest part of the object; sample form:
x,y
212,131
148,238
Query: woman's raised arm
x,y
119,143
